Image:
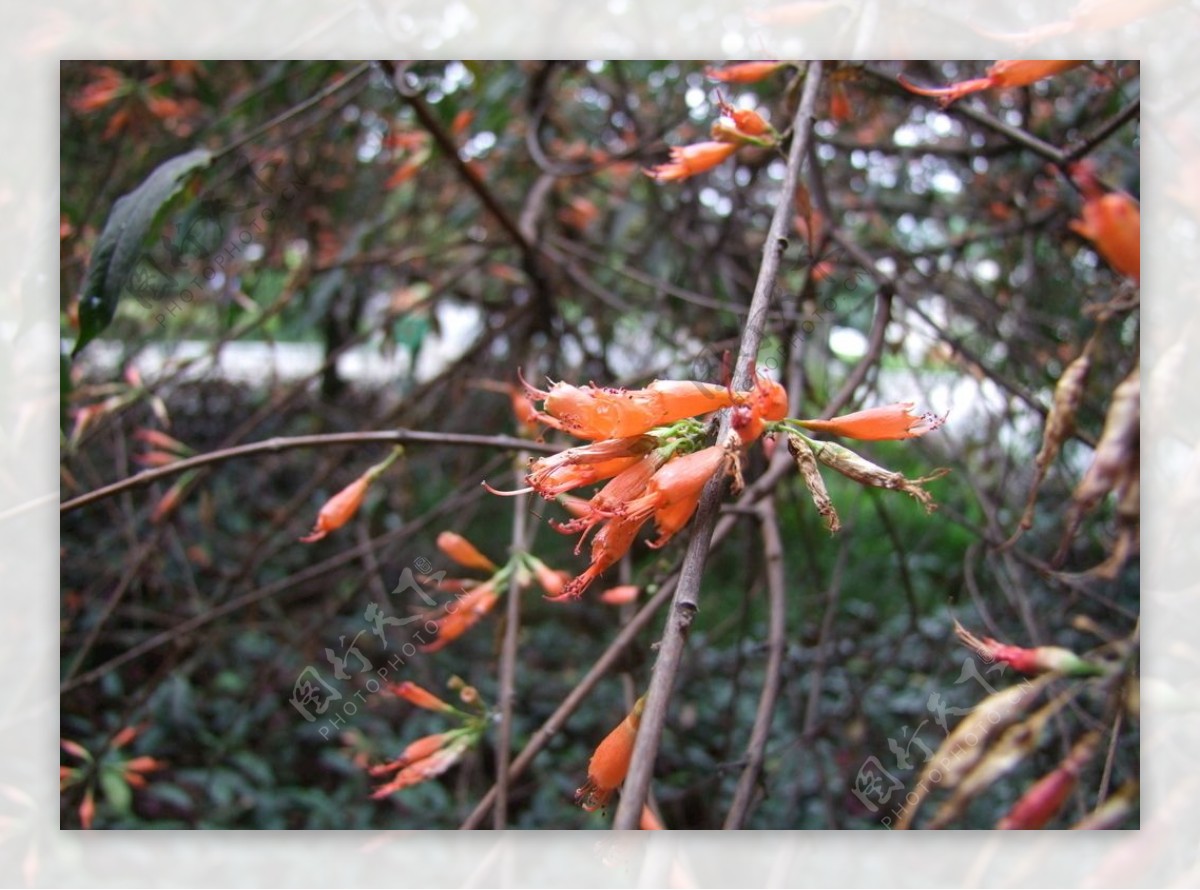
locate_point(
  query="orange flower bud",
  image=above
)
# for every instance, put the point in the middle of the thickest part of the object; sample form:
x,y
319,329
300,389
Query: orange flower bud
x,y
417,750
649,822
610,762
591,412
744,72
417,695
551,581
688,160
143,764
1005,73
1112,222
463,616
620,595
87,810
463,552
339,509
896,421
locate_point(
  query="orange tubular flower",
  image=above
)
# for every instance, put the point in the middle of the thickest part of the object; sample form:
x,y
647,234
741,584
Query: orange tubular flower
x,y
688,160
418,750
896,421
619,595
744,72
612,498
422,698
463,552
576,467
610,762
1005,73
339,509
590,412
610,544
674,491
429,766
1110,221
649,822
461,616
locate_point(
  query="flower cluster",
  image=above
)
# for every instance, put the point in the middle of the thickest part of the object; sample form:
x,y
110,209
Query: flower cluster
x,y
735,128
431,755
646,447
477,598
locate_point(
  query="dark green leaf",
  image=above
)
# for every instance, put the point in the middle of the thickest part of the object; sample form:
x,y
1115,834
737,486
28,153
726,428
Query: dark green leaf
x,y
131,223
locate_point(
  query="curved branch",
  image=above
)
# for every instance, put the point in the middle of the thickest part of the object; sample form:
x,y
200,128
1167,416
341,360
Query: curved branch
x,y
285,443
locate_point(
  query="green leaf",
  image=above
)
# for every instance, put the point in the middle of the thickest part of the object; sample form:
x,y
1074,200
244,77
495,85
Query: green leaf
x,y
116,790
132,221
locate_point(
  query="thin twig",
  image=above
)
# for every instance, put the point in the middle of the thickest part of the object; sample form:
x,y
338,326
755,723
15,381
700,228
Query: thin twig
x,y
316,99
684,607
508,655
322,440
776,643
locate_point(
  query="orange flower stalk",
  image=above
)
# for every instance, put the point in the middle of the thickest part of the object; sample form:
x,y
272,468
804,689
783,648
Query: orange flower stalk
x,y
744,72
1039,660
1110,221
1005,73
419,696
610,762
463,552
688,160
897,421
340,508
591,412
452,623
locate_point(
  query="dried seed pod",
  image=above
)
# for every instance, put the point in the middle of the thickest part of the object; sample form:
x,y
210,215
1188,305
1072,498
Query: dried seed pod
x,y
855,466
806,463
1115,459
